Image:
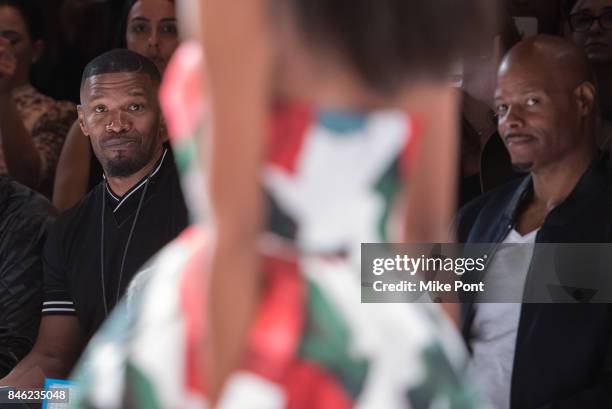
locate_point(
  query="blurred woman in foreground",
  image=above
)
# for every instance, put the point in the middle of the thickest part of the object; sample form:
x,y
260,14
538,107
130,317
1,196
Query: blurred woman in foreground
x,y
320,52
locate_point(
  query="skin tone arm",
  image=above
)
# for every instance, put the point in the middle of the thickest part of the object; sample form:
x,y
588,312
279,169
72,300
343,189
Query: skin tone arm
x,y
432,186
433,174
72,174
57,348
240,102
22,158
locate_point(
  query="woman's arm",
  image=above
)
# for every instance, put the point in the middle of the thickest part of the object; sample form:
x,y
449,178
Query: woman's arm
x,y
432,176
72,174
237,54
433,173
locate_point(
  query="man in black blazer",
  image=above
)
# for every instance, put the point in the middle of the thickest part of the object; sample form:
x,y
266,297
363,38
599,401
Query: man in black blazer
x,y
533,355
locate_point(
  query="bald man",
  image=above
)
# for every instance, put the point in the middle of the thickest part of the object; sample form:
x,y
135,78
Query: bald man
x,y
542,355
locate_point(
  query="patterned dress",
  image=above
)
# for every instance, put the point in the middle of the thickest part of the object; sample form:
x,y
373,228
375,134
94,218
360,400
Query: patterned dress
x,y
331,179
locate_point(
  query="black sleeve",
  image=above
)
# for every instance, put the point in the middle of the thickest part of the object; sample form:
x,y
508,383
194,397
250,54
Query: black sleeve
x,y
466,218
597,397
23,223
56,294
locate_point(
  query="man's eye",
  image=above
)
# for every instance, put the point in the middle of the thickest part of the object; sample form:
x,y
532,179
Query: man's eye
x,y
134,107
501,109
100,109
532,102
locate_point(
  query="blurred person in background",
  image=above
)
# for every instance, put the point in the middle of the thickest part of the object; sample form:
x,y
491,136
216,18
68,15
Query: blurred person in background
x,y
147,27
340,132
32,126
590,27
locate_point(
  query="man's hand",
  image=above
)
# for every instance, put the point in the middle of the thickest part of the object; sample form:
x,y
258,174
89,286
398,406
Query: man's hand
x,y
8,66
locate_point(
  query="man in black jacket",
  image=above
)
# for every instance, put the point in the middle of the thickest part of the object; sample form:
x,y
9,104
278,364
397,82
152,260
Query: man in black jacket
x,y
542,355
24,217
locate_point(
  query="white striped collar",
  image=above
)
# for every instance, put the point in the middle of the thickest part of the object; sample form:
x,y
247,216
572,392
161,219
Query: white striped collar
x,y
110,192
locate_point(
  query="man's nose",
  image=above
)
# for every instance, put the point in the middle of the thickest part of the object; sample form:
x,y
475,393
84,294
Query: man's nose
x,y
119,123
512,120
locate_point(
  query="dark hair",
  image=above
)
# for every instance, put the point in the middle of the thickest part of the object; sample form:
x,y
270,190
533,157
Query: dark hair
x,y
121,60
389,41
31,14
119,41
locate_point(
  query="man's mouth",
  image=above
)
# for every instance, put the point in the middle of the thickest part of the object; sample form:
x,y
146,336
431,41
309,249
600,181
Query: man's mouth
x,y
518,139
119,143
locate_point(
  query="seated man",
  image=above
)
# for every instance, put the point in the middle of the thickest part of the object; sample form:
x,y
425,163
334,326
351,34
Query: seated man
x,y
542,355
95,248
24,218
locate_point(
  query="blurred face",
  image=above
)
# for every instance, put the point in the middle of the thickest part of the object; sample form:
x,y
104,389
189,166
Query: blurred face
x,y
595,37
121,115
151,30
13,28
537,115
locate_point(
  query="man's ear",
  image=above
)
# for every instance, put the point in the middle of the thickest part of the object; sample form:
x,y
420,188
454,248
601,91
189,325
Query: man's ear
x,y
82,120
585,98
37,49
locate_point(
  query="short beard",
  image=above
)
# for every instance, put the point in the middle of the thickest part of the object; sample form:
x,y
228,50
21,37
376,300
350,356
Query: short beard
x,y
122,167
522,167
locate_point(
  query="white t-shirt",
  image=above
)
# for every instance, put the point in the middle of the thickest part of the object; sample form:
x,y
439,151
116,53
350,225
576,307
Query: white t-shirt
x,y
496,324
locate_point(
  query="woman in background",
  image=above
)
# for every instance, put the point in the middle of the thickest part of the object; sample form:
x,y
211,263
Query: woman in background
x,y
32,126
148,28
